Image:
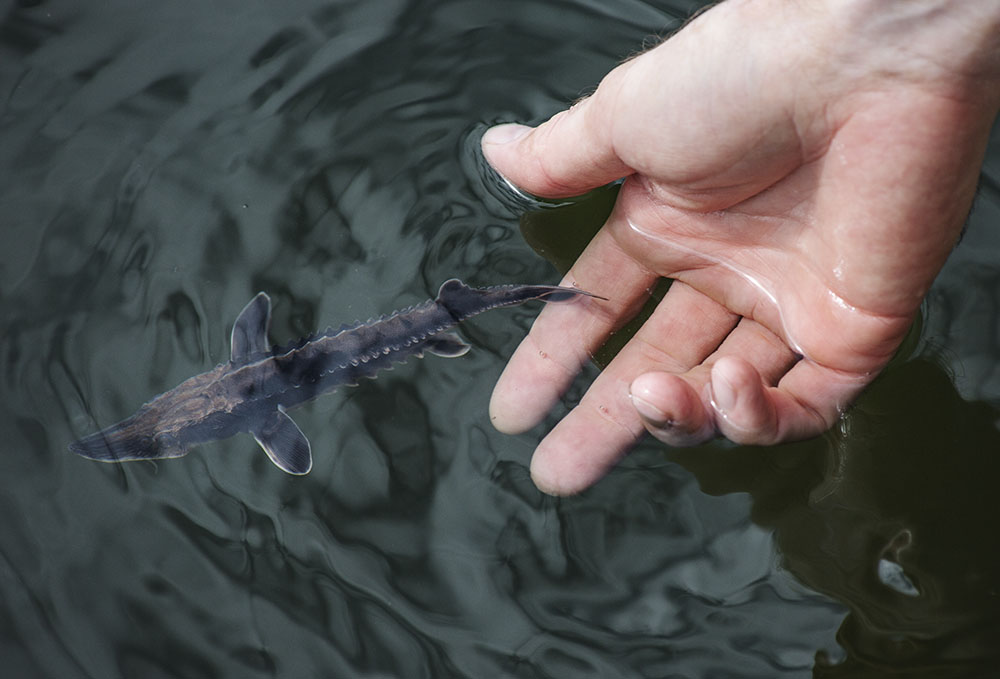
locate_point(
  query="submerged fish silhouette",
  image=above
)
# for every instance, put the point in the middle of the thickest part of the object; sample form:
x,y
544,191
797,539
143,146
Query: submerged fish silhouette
x,y
251,392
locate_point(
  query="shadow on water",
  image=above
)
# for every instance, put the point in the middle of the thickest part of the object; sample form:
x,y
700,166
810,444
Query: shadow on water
x,y
164,161
891,517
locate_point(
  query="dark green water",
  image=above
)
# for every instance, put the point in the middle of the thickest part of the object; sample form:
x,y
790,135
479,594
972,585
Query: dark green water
x,y
161,162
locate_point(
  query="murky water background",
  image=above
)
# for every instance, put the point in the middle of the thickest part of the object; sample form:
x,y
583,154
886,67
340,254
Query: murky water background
x,y
162,162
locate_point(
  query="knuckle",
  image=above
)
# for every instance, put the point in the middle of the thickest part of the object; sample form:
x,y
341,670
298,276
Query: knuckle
x,y
567,365
658,357
623,419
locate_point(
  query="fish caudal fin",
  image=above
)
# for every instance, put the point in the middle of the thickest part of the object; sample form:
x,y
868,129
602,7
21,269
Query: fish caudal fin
x,y
119,443
100,447
283,442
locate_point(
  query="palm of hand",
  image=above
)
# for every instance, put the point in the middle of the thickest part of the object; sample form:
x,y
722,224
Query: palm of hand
x,y
799,254
791,299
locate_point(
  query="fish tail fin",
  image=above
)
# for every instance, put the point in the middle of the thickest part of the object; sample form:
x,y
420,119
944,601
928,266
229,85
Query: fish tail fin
x,y
121,443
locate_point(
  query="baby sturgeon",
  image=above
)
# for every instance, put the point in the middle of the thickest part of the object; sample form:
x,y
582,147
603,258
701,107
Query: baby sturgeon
x,y
251,392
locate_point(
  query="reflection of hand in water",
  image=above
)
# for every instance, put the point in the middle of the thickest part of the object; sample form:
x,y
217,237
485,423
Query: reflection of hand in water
x,y
901,526
801,171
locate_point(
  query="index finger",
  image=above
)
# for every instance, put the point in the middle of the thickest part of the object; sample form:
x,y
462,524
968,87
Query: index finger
x,y
565,336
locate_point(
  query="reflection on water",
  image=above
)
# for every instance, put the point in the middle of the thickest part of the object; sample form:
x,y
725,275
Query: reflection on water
x,y
163,162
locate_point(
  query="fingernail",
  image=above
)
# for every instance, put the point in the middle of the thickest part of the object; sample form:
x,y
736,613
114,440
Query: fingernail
x,y
723,393
650,413
505,134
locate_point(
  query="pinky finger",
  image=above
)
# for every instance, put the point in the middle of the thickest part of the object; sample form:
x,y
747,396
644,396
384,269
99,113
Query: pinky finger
x,y
807,401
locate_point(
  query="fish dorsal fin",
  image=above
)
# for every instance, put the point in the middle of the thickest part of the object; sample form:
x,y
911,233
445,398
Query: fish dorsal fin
x,y
447,344
283,442
250,329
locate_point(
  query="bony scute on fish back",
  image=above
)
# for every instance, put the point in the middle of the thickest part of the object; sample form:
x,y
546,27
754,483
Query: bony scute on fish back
x,y
251,392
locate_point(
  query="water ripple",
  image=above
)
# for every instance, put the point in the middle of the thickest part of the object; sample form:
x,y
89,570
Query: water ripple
x,y
163,162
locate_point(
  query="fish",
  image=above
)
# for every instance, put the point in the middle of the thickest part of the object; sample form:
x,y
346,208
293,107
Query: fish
x,y
253,390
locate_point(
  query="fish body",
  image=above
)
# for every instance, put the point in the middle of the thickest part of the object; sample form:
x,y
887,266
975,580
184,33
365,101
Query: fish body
x,y
251,392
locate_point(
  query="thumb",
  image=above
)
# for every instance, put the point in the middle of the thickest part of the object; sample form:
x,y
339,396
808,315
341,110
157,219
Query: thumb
x,y
568,155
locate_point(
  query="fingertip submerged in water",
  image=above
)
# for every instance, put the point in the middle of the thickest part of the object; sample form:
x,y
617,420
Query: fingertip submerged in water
x,y
251,392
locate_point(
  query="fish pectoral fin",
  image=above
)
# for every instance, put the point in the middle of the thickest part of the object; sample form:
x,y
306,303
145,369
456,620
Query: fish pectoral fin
x,y
283,442
447,344
250,329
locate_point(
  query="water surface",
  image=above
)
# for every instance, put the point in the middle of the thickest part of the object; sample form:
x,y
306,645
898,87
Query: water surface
x,y
165,161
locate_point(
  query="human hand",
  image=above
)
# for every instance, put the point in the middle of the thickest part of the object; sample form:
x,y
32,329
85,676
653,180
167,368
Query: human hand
x,y
801,170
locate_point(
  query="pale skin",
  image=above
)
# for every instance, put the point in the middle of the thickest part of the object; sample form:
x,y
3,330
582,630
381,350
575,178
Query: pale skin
x,y
801,169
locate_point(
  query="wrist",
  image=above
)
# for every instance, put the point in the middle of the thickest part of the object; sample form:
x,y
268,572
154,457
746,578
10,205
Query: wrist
x,y
951,43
